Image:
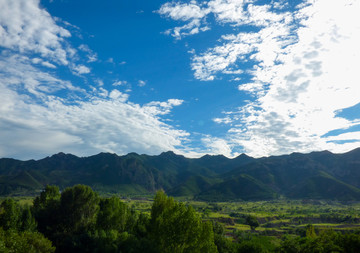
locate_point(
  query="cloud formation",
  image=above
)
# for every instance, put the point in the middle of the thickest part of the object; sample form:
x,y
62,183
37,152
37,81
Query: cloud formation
x,y
36,122
302,66
27,28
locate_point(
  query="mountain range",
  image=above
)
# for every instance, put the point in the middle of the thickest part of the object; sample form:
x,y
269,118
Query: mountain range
x,y
317,175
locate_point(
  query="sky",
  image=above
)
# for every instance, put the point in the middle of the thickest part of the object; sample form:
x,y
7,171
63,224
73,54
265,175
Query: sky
x,y
193,77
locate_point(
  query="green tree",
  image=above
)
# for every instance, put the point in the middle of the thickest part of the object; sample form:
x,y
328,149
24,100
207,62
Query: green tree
x,y
350,242
249,246
310,231
141,226
326,241
46,210
49,194
252,222
9,215
177,228
113,214
223,244
79,206
27,220
24,242
289,245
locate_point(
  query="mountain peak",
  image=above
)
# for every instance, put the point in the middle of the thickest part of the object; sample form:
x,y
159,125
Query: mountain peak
x,y
62,155
208,157
242,156
106,154
168,154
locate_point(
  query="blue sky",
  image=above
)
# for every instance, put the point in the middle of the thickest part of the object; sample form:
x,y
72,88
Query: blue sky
x,y
195,77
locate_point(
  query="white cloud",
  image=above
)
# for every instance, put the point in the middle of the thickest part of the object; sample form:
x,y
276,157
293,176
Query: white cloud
x,y
224,120
251,87
234,12
182,12
120,82
17,73
48,64
317,77
46,124
36,60
26,28
217,146
99,82
31,130
92,57
81,69
236,48
141,83
301,74
162,108
42,62
352,136
117,95
35,122
192,12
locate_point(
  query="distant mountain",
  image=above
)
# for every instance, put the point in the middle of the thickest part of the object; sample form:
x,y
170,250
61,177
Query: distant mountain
x,y
318,175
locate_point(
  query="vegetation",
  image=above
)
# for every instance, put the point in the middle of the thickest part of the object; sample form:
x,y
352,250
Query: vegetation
x,y
79,220
318,175
294,203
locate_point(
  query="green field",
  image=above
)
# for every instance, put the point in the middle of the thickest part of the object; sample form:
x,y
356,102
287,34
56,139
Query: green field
x,y
275,217
279,224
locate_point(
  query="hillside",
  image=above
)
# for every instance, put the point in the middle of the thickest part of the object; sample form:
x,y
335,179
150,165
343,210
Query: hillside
x,y
318,175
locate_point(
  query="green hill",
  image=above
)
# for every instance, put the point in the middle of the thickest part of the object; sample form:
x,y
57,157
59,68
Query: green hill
x,y
318,175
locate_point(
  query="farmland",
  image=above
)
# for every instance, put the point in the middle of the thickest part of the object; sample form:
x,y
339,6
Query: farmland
x,y
276,217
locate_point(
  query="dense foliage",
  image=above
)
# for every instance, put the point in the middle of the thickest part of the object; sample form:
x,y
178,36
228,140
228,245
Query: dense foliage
x,y
78,220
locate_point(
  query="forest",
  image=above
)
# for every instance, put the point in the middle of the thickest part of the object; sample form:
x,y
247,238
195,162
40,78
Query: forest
x,y
77,219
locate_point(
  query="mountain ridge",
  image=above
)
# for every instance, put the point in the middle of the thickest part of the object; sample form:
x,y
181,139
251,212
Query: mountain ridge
x,y
318,175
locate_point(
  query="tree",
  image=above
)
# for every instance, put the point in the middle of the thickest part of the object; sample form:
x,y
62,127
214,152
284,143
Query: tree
x,y
46,210
24,242
51,193
252,222
27,220
9,215
223,244
113,214
177,228
249,246
310,231
79,206
326,241
350,242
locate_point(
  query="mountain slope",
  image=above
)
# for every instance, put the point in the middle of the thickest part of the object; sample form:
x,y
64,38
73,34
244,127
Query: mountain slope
x,y
321,175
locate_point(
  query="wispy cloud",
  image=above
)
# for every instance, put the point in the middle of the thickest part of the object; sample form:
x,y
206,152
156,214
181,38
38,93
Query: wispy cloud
x,y
36,122
141,83
302,68
120,82
162,108
27,28
80,69
91,56
192,12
